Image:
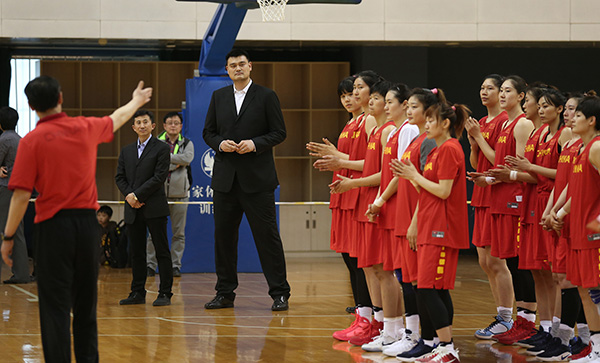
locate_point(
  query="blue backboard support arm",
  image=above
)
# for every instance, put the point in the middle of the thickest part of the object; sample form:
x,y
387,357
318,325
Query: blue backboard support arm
x,y
219,38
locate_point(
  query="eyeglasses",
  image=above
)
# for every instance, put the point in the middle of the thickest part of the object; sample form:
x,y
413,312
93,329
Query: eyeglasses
x,y
172,123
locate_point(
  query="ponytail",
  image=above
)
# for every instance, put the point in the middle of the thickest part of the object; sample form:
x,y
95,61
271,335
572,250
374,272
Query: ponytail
x,y
457,114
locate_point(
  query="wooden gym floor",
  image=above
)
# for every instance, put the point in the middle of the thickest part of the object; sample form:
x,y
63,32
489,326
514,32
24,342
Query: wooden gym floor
x,y
185,332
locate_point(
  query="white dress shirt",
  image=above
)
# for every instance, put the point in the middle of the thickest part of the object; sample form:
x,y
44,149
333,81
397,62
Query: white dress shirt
x,y
240,95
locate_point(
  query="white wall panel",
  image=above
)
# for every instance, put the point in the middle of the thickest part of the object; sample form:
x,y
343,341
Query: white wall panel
x,y
50,29
372,20
205,12
40,10
336,31
121,29
585,11
148,10
431,32
524,32
431,11
524,11
368,11
254,30
585,32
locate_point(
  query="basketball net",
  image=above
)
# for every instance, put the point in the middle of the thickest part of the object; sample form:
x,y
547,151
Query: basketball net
x,y
272,10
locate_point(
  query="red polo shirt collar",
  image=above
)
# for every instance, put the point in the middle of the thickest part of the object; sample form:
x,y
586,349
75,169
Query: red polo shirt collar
x,y
52,117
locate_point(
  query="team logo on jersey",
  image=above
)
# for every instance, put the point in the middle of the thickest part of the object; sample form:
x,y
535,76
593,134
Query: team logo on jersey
x,y
344,135
207,161
543,152
564,159
578,168
502,140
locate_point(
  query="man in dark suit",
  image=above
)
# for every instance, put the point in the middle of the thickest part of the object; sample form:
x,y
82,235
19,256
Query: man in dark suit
x,y
243,124
141,173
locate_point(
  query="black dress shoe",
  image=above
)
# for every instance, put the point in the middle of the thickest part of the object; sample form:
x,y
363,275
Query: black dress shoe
x,y
280,303
219,302
133,299
14,281
162,300
150,272
176,272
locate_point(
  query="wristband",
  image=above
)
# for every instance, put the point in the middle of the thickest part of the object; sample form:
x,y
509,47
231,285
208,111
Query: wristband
x,y
490,179
379,202
513,175
561,213
7,238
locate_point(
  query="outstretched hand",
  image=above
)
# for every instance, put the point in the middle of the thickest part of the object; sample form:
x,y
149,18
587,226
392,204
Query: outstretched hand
x,y
141,94
321,149
328,163
519,162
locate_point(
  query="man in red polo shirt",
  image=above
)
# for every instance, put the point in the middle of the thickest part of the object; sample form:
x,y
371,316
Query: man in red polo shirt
x,y
58,159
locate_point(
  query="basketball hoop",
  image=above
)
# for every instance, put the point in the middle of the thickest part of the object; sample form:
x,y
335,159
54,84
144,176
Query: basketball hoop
x,y
272,10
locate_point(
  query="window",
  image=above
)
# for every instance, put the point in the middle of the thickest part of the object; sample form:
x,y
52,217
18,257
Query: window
x,y
23,71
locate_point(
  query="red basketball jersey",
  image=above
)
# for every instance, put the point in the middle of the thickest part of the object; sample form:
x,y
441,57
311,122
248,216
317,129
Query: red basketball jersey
x,y
490,131
407,194
563,174
528,214
506,198
584,189
344,145
444,222
357,152
547,156
387,214
372,165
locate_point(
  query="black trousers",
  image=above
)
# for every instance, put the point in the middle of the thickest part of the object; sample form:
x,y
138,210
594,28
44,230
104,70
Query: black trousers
x,y
137,232
67,248
260,212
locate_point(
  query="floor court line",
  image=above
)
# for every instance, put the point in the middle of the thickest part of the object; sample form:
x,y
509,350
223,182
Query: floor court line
x,y
33,297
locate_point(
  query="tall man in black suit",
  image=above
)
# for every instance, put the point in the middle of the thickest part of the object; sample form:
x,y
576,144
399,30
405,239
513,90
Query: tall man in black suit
x,y
243,124
141,174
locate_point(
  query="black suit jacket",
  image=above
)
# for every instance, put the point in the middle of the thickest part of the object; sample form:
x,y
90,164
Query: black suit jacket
x,y
145,177
260,120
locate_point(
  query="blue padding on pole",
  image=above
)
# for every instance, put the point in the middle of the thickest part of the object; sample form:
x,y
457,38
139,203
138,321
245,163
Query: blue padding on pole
x,y
219,38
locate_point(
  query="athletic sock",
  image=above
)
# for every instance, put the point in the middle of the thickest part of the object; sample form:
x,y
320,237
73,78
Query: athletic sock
x,y
412,323
595,339
583,330
565,333
429,343
378,313
436,341
555,326
505,313
365,312
388,328
398,327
